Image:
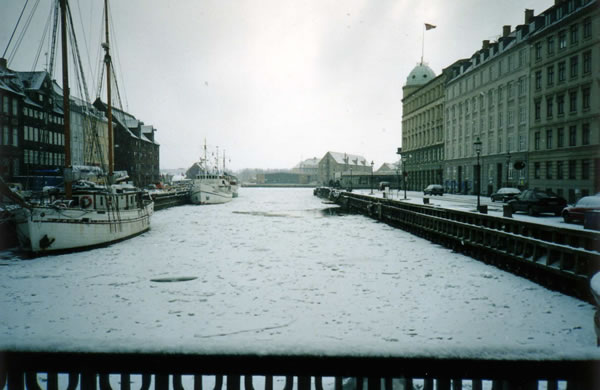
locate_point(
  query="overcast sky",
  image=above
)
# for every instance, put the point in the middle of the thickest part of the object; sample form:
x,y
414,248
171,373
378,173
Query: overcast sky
x,y
271,82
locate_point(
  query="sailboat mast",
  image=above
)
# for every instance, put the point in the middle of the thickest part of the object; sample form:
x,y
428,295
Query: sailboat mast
x,y
108,95
66,108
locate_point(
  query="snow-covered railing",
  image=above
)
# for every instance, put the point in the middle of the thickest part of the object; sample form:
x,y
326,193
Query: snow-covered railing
x,y
89,371
561,259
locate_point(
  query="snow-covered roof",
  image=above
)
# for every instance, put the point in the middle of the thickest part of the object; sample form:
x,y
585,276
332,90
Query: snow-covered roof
x,y
388,167
308,163
350,159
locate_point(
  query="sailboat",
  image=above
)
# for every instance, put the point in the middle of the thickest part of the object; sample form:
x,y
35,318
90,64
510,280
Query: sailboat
x,y
87,216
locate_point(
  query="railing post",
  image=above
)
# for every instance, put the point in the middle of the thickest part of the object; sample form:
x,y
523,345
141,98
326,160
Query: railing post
x,y
177,382
52,381
31,381
146,381
125,382
16,380
248,382
88,380
104,382
374,383
197,382
303,383
161,382
269,383
233,382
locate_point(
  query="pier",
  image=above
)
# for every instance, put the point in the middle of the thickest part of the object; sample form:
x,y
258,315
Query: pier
x,y
557,258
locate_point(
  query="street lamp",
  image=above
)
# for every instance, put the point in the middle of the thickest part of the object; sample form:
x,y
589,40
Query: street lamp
x,y
403,159
398,181
477,145
507,167
372,163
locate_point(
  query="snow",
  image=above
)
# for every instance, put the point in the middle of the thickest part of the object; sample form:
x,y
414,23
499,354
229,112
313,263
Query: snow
x,y
273,273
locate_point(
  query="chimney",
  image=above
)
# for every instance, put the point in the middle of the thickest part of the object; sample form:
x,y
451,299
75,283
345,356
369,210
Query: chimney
x,y
528,16
485,44
506,31
3,63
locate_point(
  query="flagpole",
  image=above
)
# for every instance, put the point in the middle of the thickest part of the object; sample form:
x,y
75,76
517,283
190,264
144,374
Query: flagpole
x,y
423,45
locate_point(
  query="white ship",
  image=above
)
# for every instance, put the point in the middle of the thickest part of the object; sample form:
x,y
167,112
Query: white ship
x,y
210,189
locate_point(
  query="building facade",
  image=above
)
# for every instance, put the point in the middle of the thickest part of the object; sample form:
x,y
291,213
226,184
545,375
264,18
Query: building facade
x,y
487,100
422,127
564,153
334,165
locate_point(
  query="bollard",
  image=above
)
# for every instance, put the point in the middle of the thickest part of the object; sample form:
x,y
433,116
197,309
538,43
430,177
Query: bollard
x,y
425,200
483,208
507,211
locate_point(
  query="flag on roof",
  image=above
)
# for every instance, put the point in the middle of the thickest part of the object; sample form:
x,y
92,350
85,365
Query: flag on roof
x,y
429,26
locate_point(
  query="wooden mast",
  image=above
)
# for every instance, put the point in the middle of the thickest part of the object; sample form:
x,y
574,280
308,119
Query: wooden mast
x,y
108,96
66,92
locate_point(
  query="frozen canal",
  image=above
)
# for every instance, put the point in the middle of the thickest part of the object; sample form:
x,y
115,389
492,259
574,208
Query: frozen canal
x,y
271,272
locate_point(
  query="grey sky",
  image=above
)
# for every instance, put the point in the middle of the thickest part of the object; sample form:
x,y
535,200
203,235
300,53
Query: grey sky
x,y
273,81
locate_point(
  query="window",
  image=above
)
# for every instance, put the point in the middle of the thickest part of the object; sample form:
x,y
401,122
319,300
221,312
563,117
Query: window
x,y
560,104
560,137
587,27
559,170
574,65
585,98
522,85
549,139
510,90
574,33
585,134
572,135
536,170
585,169
561,71
587,62
538,51
537,110
15,107
562,40
538,80
573,101
549,104
15,137
548,169
550,45
536,141
550,75
572,169
6,105
5,134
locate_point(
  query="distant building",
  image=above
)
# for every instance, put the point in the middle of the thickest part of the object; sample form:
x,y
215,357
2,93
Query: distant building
x,y
333,165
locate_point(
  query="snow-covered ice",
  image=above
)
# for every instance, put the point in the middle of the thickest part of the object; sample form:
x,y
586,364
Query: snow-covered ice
x,y
271,272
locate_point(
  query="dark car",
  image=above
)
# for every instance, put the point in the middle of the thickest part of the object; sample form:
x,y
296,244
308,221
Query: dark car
x,y
434,189
576,213
505,194
534,202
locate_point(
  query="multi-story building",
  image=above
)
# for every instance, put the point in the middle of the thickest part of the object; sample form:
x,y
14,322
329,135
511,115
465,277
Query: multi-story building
x,y
32,138
564,152
422,127
487,100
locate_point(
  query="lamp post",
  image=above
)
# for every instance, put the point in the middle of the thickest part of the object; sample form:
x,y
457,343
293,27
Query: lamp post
x,y
507,167
398,181
477,146
403,159
372,163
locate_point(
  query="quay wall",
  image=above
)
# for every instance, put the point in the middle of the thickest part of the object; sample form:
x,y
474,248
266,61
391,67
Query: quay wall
x,y
557,258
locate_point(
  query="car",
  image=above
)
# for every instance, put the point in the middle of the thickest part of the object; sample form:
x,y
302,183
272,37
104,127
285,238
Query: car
x,y
433,189
383,184
534,202
576,212
505,194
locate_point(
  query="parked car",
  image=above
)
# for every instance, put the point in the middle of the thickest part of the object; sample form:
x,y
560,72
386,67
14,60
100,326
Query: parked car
x,y
505,194
576,212
383,184
534,202
433,189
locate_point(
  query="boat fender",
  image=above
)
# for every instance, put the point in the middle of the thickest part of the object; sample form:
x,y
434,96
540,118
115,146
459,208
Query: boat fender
x,y
85,201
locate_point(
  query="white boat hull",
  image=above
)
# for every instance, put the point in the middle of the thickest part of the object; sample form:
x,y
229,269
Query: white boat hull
x,y
50,229
209,192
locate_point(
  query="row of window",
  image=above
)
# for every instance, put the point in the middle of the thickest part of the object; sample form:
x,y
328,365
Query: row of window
x,y
45,136
560,170
44,158
573,97
571,35
560,137
561,70
6,102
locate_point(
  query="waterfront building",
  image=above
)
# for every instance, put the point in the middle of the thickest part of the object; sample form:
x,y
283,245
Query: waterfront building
x,y
334,165
487,99
422,127
564,152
